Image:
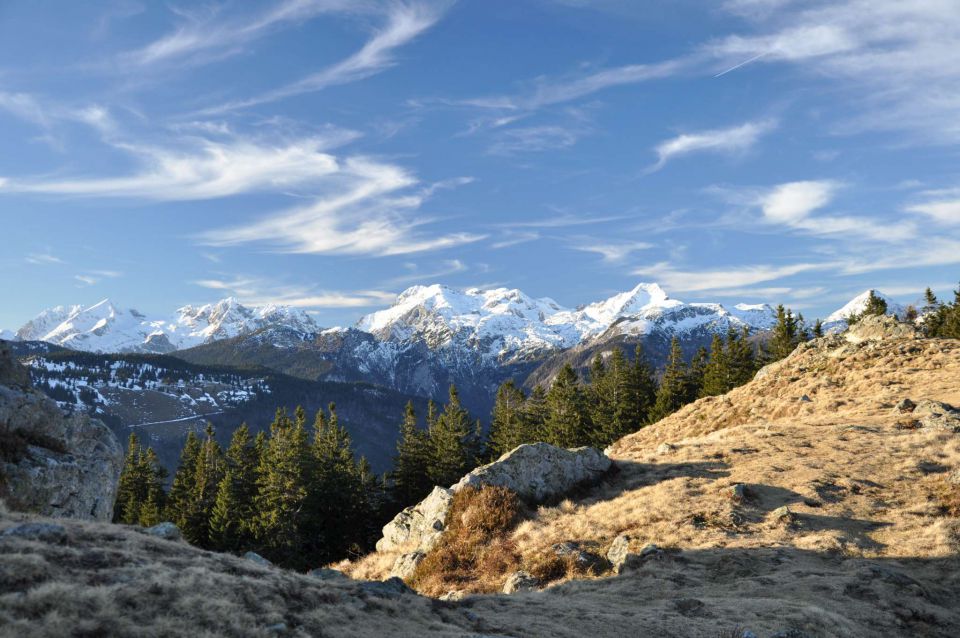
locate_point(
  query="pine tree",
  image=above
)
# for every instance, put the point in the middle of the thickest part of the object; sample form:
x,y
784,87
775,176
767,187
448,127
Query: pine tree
x,y
153,475
206,479
130,493
411,481
644,387
449,445
818,329
567,424
281,489
672,393
180,496
716,374
509,425
875,305
742,362
230,528
600,398
786,334
695,376
929,301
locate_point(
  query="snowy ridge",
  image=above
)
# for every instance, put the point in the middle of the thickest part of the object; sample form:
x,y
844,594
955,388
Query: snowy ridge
x,y
104,327
507,324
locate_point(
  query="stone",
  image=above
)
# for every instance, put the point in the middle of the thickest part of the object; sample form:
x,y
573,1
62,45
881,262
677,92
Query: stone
x,y
520,581
650,550
537,472
67,466
453,595
738,492
618,552
166,530
583,559
954,477
406,564
905,406
326,573
666,448
782,515
258,559
392,587
936,415
46,532
878,328
805,399
279,628
418,527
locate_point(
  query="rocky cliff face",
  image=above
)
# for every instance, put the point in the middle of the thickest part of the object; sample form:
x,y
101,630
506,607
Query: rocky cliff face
x,y
49,463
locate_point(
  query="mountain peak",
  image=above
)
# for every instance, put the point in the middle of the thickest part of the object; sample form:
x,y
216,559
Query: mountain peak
x,y
859,303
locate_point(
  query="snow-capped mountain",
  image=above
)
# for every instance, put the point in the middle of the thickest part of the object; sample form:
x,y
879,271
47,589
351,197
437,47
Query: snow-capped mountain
x,y
837,320
506,325
105,327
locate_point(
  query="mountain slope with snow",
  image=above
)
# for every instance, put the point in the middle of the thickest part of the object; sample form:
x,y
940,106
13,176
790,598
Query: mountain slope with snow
x,y
105,327
837,320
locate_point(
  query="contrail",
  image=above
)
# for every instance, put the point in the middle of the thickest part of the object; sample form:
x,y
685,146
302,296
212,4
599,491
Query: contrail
x,y
734,68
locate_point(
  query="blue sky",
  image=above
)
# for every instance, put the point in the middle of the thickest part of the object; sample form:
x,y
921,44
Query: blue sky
x,y
330,153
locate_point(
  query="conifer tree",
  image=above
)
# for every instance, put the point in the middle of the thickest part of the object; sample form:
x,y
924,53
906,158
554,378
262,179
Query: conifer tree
x,y
567,424
180,496
535,413
230,520
644,386
600,397
817,329
510,423
449,444
203,494
695,376
154,475
282,489
741,360
411,481
786,334
875,305
130,489
716,374
672,393
929,301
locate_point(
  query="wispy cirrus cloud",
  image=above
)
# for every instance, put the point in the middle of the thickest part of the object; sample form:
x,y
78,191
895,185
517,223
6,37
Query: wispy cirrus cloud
x,y
260,291
42,258
405,21
718,279
610,251
736,139
941,211
211,33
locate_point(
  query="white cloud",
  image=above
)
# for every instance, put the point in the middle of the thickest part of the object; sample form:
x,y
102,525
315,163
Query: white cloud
x,y
942,211
792,205
698,280
511,238
535,139
42,258
404,23
86,279
611,252
736,139
364,214
216,36
258,291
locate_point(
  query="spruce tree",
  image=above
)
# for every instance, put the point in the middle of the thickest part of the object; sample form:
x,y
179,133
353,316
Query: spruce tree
x,y
411,482
818,329
206,479
130,493
672,393
695,376
716,374
600,398
449,444
180,496
644,387
567,424
230,528
786,334
741,360
154,476
929,301
281,489
875,305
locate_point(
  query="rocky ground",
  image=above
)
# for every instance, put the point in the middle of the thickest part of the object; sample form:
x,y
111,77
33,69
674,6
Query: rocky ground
x,y
821,499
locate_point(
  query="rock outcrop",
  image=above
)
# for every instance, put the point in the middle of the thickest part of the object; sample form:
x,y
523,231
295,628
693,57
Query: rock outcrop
x,y
537,472
52,464
880,327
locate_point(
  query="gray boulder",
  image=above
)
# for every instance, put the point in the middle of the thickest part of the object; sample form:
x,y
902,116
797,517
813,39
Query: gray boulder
x,y
392,587
520,581
935,415
537,472
166,530
258,559
418,527
405,564
618,552
878,328
54,465
326,573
